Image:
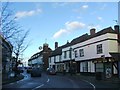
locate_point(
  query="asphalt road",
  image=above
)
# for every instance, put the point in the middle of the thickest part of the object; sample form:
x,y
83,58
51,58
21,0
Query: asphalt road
x,y
48,81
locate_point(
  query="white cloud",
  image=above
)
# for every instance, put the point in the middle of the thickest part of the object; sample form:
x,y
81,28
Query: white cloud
x,y
74,25
59,33
81,9
103,6
85,6
92,26
79,17
59,4
100,18
22,14
69,27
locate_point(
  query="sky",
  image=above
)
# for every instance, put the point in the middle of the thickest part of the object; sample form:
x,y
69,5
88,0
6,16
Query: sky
x,y
49,22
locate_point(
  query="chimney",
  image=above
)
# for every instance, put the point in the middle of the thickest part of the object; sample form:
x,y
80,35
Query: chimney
x,y
116,28
92,31
56,45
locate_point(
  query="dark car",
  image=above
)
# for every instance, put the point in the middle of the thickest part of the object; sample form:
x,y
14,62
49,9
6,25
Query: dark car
x,y
51,71
29,69
36,72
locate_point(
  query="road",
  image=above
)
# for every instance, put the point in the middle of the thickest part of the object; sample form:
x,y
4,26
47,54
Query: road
x,y
48,81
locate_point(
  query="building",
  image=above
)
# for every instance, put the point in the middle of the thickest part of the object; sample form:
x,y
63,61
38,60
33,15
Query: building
x,y
36,60
88,54
40,59
6,55
55,59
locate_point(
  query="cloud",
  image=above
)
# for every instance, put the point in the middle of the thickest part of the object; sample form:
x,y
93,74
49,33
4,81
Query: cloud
x,y
85,6
100,18
59,33
81,9
22,14
103,6
69,27
74,25
92,26
59,4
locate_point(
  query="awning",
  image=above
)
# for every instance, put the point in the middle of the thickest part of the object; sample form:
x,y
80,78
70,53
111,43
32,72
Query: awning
x,y
116,56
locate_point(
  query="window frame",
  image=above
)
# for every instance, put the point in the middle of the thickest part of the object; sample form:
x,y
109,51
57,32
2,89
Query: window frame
x,y
99,48
81,52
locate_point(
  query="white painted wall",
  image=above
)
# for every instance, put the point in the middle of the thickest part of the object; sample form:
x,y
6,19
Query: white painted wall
x,y
68,50
90,51
52,61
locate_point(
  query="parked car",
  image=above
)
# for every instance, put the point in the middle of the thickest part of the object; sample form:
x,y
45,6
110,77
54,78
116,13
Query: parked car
x,y
20,69
29,69
36,72
51,71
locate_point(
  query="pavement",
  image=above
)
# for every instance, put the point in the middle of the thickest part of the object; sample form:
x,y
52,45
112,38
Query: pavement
x,y
11,79
111,83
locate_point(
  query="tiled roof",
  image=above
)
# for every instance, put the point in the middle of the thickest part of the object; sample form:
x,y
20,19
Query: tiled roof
x,y
36,55
87,37
80,39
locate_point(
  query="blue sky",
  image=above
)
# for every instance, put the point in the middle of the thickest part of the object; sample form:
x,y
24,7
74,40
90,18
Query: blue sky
x,y
62,21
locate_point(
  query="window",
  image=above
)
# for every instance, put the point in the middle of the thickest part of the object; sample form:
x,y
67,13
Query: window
x,y
59,57
81,52
49,60
70,54
65,54
85,66
76,54
99,49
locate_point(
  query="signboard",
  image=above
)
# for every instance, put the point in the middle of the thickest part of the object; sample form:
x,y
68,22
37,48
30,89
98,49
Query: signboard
x,y
108,70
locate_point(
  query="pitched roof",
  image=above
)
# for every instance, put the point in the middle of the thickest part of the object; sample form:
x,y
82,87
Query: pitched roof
x,y
57,51
80,39
85,37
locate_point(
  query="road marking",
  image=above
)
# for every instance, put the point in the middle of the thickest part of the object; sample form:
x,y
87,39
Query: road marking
x,y
48,80
11,83
38,87
90,84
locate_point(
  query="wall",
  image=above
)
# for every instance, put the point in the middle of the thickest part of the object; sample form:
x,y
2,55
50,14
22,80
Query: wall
x,y
90,51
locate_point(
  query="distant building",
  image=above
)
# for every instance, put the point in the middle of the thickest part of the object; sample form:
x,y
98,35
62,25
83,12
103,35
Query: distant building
x,y
40,59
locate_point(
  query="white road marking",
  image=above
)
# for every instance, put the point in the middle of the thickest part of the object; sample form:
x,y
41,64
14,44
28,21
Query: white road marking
x,y
38,87
48,80
11,83
90,84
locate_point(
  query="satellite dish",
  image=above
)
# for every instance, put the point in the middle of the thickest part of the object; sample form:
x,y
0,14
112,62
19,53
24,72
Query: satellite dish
x,y
40,47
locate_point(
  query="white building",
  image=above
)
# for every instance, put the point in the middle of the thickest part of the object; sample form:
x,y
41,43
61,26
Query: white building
x,y
92,53
36,60
40,59
55,59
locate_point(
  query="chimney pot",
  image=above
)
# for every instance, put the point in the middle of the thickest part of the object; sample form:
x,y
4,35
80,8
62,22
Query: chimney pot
x,y
116,28
56,45
92,31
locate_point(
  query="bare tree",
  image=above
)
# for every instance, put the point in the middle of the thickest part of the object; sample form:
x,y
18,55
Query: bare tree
x,y
20,46
11,30
8,24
